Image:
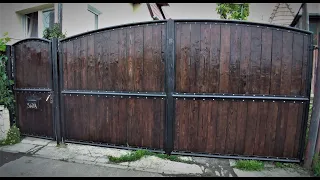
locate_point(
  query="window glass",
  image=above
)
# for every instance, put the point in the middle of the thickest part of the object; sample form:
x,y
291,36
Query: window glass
x,y
48,18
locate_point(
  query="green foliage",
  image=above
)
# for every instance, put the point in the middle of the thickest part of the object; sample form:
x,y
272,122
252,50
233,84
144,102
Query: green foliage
x,y
233,11
249,165
13,136
316,166
50,33
6,95
284,165
134,156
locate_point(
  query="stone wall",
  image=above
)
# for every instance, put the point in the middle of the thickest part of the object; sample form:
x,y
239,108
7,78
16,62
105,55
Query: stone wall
x,y
4,122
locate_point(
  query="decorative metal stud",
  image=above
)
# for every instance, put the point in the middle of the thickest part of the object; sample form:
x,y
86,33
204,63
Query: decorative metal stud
x,y
176,98
272,101
223,99
284,101
253,100
184,98
294,101
194,99
203,99
243,100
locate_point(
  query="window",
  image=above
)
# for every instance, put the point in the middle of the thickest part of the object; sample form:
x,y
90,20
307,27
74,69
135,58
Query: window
x,y
48,18
96,14
31,24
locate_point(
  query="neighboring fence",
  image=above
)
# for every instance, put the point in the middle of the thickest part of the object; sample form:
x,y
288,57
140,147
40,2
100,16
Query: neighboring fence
x,y
198,87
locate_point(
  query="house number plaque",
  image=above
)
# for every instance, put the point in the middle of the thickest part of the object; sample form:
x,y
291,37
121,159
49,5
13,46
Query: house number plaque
x,y
32,102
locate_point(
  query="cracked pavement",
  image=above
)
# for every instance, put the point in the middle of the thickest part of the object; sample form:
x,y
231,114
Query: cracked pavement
x,y
39,157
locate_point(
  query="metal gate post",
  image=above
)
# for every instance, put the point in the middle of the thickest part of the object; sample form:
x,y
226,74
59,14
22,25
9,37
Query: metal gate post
x,y
169,87
55,85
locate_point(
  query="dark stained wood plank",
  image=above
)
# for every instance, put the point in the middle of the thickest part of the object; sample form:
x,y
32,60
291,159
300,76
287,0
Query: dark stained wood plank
x,y
205,57
231,127
291,130
114,60
156,127
148,58
244,85
183,85
304,82
265,66
131,121
69,65
212,110
262,128
18,65
196,70
214,72
286,62
161,75
276,62
255,58
281,130
224,84
162,118
27,60
122,60
83,63
241,127
297,140
76,64
65,65
130,59
250,128
272,120
222,122
91,63
177,132
122,122
106,60
235,53
138,58
201,127
178,58
98,48
296,71
45,69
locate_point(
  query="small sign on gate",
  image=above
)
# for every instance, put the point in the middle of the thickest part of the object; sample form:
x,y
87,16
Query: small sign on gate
x,y
32,102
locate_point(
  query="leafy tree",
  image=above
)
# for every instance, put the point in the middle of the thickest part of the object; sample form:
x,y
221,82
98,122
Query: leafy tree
x,y
233,11
6,95
55,31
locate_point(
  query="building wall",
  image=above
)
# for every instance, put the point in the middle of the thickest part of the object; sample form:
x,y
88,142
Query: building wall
x,y
77,19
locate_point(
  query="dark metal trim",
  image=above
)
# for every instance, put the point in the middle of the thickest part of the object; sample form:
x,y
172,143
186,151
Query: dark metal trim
x,y
236,157
55,86
36,136
115,93
239,96
112,27
243,22
33,89
112,146
14,85
170,86
9,74
31,39
306,107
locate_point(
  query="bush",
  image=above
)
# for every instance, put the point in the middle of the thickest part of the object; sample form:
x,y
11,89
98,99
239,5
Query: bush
x,y
13,136
53,32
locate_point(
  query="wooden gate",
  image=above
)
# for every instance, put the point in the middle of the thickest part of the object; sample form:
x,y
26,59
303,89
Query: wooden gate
x,y
198,87
32,64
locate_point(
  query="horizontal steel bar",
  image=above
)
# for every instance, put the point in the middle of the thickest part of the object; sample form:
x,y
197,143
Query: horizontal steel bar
x,y
243,22
33,90
35,136
111,146
237,157
228,96
116,93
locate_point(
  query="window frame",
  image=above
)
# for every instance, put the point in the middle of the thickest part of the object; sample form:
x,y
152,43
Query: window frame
x,y
96,14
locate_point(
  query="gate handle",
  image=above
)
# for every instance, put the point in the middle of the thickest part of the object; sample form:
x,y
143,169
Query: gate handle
x,y
48,97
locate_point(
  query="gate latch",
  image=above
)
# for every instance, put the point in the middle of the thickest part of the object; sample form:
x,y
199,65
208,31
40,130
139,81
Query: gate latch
x,y
51,100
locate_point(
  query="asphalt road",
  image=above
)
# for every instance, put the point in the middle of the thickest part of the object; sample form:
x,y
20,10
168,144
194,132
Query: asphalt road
x,y
15,164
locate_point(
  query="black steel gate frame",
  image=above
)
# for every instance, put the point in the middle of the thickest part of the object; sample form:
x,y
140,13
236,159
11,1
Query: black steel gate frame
x,y
56,63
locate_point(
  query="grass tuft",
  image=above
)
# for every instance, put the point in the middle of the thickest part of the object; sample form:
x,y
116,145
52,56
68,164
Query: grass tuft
x,y
283,165
316,166
136,155
249,165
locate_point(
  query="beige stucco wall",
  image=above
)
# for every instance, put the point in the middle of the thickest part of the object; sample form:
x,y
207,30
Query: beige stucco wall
x,y
77,19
